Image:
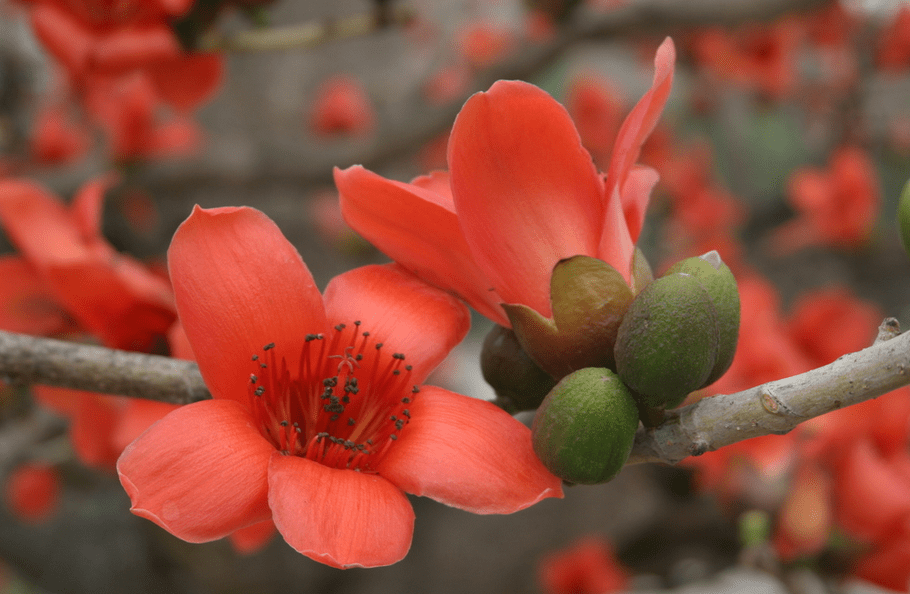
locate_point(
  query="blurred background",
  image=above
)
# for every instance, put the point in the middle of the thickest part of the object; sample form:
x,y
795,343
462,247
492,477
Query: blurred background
x,y
785,146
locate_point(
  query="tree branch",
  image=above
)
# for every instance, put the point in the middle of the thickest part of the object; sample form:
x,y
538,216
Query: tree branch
x,y
775,407
779,406
30,360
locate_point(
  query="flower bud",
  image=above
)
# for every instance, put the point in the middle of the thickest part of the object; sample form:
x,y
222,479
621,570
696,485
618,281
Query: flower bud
x,y
719,282
584,429
667,342
589,298
519,383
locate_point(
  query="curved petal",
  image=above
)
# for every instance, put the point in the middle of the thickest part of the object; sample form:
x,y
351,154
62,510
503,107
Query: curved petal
x,y
339,517
240,285
401,311
635,195
418,228
641,120
63,35
94,422
87,208
469,454
185,83
200,473
526,191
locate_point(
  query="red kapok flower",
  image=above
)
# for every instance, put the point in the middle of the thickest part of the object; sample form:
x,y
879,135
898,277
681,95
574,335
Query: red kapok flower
x,y
587,567
33,491
318,419
522,194
342,106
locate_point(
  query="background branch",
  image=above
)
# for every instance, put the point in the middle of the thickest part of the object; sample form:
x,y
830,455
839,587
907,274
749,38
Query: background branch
x,y
775,407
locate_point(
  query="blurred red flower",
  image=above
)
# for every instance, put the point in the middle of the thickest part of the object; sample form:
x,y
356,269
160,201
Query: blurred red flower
x,y
837,207
33,492
342,107
587,567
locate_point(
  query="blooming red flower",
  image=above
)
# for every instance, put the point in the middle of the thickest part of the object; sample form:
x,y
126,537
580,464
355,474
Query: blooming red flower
x,y
894,42
521,195
587,567
318,419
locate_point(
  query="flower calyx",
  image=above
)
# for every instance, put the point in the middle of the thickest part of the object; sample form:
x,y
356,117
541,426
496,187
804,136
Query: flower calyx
x,y
589,298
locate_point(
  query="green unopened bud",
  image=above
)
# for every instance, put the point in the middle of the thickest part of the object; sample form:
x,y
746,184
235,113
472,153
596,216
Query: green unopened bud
x,y
719,282
903,217
667,343
519,383
584,429
589,298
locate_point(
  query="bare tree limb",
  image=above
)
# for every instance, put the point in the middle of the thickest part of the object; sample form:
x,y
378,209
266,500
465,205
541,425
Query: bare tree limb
x,y
772,408
779,406
31,360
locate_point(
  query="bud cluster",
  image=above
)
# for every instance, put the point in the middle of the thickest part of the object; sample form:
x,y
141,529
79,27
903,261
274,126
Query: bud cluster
x,y
620,353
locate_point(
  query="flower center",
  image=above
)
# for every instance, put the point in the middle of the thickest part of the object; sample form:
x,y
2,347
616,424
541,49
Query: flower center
x,y
343,404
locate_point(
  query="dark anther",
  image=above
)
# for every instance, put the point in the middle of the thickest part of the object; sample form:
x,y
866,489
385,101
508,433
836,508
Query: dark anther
x,y
334,417
350,421
398,356
346,399
359,357
255,357
393,437
393,418
356,322
259,391
269,346
309,337
406,413
263,365
406,400
339,327
396,372
330,382
284,423
378,345
399,424
253,378
415,389
409,367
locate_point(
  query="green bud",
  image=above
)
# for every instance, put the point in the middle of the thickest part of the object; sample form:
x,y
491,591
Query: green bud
x,y
589,298
667,343
519,383
584,429
903,217
719,282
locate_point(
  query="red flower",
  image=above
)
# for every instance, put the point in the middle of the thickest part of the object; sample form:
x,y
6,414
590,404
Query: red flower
x,y
317,420
588,567
837,207
523,194
342,106
33,491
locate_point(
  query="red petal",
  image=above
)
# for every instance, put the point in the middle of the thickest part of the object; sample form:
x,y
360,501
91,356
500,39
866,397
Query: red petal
x,y
26,303
92,431
87,208
469,454
418,228
633,133
400,311
39,224
136,47
643,117
63,36
200,472
339,517
635,194
188,81
526,191
240,285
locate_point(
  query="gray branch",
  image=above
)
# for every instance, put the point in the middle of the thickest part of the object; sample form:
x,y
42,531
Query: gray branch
x,y
772,408
31,360
779,406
